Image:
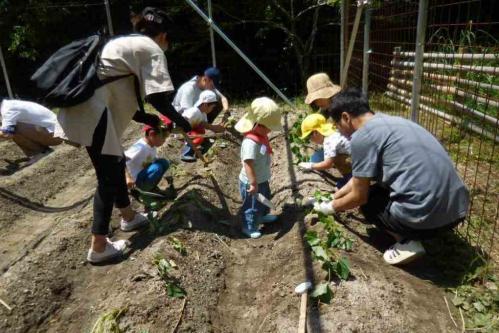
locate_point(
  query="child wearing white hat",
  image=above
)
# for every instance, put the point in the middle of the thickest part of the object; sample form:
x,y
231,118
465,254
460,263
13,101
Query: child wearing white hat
x,y
197,116
262,118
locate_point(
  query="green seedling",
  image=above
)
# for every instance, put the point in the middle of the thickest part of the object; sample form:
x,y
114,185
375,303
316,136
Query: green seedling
x,y
164,268
178,246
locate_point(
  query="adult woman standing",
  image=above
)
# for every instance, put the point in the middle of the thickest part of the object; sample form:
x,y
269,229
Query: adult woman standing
x,y
99,123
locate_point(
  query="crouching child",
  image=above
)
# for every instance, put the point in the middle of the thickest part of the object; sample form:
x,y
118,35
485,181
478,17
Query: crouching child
x,y
262,118
336,148
143,169
197,116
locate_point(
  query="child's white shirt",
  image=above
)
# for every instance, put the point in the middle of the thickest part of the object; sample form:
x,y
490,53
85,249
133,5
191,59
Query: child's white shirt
x,y
194,116
336,144
139,156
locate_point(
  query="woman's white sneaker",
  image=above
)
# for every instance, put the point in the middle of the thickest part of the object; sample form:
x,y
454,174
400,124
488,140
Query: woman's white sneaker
x,y
112,250
138,221
404,252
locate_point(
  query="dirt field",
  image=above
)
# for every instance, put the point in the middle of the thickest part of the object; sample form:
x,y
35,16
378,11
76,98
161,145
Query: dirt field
x,y
233,284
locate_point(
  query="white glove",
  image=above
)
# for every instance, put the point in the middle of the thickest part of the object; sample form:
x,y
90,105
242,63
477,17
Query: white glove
x,y
325,208
305,166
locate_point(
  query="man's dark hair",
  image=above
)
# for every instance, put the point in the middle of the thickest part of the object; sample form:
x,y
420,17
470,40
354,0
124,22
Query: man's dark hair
x,y
351,101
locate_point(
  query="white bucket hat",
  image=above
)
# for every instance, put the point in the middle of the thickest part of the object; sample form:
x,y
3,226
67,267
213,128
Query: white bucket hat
x,y
263,111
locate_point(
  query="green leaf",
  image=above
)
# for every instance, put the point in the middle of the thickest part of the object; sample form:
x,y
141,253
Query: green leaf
x,y
457,301
343,268
479,306
172,290
320,253
323,293
312,238
178,246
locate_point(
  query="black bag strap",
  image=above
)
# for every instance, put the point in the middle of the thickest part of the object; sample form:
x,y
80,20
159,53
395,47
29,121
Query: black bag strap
x,y
140,102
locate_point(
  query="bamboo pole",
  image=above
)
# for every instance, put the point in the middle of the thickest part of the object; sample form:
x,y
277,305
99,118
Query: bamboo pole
x,y
460,56
445,116
418,58
446,78
452,90
351,44
462,68
405,93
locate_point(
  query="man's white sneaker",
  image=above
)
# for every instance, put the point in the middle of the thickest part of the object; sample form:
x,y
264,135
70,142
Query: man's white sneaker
x,y
113,250
139,220
404,252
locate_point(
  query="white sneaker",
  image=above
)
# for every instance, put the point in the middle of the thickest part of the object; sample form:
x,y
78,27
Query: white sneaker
x,y
404,252
113,250
139,220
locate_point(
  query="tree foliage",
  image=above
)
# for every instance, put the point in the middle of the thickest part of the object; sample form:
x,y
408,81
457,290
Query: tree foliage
x,y
280,36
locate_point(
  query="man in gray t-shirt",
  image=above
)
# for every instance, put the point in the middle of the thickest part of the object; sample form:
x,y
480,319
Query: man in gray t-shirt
x,y
417,194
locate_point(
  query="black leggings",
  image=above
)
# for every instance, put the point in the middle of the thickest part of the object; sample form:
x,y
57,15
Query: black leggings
x,y
111,184
377,212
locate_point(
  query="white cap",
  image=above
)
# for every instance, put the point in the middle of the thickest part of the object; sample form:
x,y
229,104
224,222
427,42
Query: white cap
x,y
206,96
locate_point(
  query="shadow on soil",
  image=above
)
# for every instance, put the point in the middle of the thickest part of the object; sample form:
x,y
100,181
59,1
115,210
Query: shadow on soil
x,y
448,261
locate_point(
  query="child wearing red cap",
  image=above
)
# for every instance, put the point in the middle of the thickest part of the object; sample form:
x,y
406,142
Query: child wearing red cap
x,y
143,169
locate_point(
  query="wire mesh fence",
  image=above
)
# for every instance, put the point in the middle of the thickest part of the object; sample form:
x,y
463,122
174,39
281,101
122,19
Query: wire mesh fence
x,y
459,99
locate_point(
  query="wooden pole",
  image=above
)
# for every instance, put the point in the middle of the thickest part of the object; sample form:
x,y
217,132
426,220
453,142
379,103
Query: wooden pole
x,y
351,44
418,66
302,323
5,75
345,4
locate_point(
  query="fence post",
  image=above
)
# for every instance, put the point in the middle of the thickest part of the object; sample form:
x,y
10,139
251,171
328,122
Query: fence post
x,y
109,21
365,62
212,37
418,59
5,75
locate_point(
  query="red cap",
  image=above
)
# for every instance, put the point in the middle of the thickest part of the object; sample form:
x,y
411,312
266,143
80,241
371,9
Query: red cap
x,y
164,119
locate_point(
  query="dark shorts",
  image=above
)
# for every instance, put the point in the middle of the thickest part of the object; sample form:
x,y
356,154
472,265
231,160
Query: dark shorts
x,y
376,211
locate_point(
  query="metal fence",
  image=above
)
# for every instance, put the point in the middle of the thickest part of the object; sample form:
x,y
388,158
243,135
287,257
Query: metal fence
x,y
459,95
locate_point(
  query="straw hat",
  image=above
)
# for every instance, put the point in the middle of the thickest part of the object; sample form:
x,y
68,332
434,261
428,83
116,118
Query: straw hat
x,y
316,122
320,86
263,111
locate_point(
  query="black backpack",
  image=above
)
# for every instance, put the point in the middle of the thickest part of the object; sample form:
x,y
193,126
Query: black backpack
x,y
69,76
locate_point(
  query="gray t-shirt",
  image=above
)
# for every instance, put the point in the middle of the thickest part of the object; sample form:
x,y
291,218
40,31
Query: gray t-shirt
x,y
250,150
425,189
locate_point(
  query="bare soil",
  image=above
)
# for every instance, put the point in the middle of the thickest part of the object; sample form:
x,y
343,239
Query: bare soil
x,y
233,284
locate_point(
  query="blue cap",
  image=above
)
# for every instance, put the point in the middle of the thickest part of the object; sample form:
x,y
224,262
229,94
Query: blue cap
x,y
214,74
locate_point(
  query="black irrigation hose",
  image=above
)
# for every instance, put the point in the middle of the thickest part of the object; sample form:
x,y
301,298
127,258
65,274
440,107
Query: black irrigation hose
x,y
22,201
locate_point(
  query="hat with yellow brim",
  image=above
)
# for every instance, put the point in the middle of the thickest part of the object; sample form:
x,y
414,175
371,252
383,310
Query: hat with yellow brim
x,y
263,111
316,122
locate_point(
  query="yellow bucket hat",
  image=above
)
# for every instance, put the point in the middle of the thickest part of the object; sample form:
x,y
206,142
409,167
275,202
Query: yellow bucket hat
x,y
263,111
320,86
316,122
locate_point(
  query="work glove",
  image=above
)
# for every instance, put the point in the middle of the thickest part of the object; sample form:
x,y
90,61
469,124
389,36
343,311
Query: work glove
x,y
305,166
325,208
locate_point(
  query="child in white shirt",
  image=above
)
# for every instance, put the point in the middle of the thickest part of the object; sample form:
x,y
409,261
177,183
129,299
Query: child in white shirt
x,y
197,116
143,169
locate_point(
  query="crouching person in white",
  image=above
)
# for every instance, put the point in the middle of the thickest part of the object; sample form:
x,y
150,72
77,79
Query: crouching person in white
x,y
418,193
30,126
